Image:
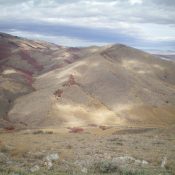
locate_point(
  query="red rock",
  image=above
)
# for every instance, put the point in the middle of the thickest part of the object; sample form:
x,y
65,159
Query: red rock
x,y
76,130
4,51
26,56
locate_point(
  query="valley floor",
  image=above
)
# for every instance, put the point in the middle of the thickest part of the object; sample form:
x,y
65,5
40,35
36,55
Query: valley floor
x,y
88,150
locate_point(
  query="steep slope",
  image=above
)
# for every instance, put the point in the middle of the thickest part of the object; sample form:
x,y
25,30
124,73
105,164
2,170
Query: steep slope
x,y
20,61
110,85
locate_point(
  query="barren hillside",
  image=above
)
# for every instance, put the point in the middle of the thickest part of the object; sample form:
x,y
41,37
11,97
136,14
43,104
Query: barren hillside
x,y
44,85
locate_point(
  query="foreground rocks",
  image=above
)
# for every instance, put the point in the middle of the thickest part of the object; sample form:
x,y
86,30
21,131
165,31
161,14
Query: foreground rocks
x,y
50,159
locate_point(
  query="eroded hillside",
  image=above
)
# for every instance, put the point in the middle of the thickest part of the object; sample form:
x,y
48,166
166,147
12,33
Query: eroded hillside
x,y
45,85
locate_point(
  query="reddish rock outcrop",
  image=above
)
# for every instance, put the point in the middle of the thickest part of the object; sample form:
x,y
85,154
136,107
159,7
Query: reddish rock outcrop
x,y
76,130
71,81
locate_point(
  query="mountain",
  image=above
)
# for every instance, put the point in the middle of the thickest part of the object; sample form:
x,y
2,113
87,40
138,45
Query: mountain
x,y
46,85
167,57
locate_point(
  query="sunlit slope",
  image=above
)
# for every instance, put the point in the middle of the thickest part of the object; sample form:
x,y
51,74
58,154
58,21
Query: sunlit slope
x,y
113,85
21,60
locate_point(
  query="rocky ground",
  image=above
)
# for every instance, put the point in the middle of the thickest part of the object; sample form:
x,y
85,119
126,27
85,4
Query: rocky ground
x,y
88,150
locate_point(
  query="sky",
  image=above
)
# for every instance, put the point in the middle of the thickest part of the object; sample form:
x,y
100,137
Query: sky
x,y
145,24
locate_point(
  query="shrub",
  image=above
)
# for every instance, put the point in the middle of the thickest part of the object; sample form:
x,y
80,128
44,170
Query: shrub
x,y
104,127
106,167
38,132
58,93
132,172
4,149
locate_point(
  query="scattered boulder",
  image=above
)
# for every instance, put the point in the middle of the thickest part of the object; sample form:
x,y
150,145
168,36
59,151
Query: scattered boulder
x,y
123,159
141,162
49,159
144,162
164,162
34,168
48,164
52,157
129,160
84,170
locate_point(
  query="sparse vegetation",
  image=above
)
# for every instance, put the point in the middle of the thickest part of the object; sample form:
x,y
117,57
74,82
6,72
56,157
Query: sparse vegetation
x,y
104,127
38,132
4,149
109,167
42,132
125,172
106,167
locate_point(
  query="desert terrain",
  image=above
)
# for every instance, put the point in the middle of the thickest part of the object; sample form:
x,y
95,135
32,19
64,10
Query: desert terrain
x,y
90,110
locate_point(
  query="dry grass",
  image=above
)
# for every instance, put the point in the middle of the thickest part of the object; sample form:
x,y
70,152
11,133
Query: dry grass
x,y
92,145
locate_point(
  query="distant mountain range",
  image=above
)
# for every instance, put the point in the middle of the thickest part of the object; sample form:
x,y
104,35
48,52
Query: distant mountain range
x,y
169,54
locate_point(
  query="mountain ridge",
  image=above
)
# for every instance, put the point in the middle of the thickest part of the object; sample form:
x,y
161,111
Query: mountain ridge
x,y
45,85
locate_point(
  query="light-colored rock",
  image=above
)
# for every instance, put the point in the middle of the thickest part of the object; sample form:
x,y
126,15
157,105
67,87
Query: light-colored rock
x,y
49,160
48,164
35,168
164,162
52,157
123,159
84,170
144,162
139,162
129,159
